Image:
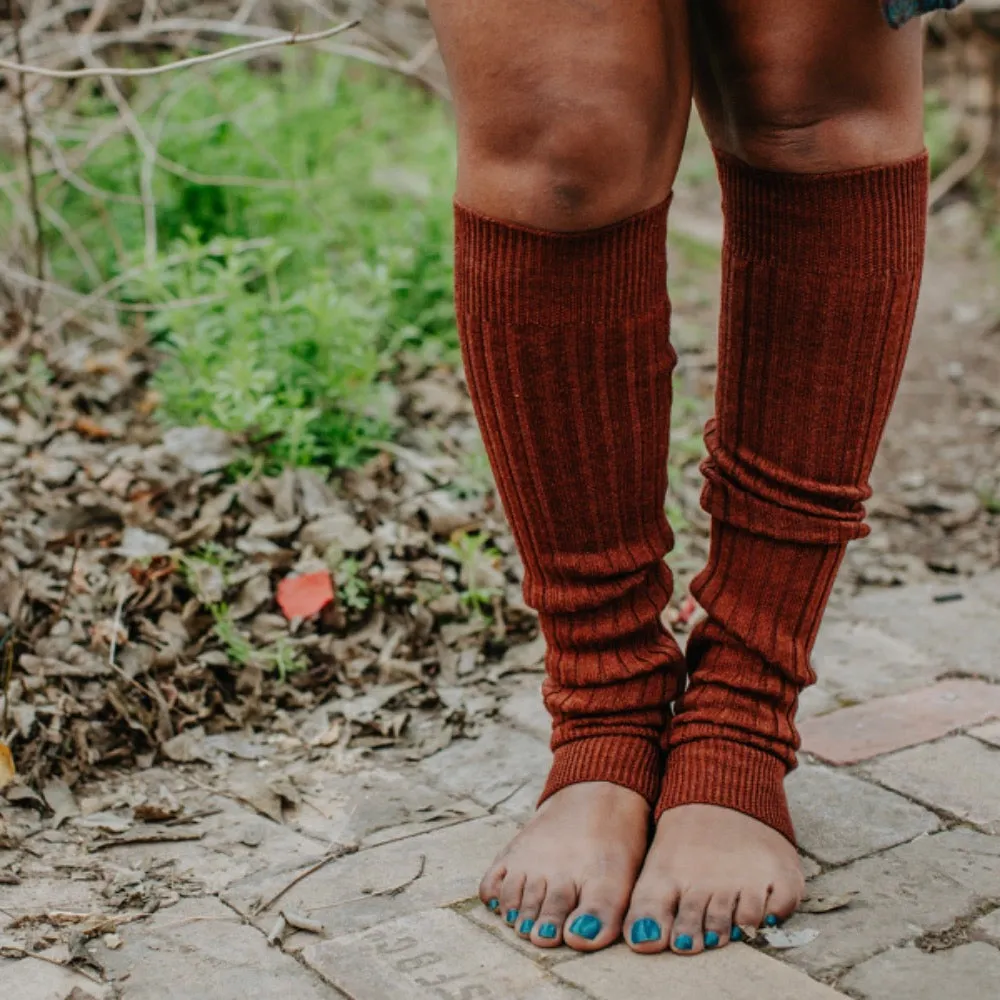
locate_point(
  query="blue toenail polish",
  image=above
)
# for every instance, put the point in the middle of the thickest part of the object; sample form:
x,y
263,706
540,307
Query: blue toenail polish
x,y
526,925
771,920
736,934
586,926
683,942
548,931
711,939
511,916
494,905
645,930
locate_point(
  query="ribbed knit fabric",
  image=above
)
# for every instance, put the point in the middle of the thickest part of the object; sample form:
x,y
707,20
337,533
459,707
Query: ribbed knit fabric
x,y
820,282
565,339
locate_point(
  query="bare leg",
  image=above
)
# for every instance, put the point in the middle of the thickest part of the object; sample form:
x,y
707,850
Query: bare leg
x,y
792,89
571,118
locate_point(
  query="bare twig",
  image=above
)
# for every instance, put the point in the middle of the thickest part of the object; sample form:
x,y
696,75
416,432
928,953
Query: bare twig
x,y
392,892
340,851
34,301
147,150
24,953
291,38
185,256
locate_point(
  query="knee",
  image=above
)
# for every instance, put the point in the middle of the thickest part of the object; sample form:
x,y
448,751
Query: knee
x,y
803,121
572,163
818,137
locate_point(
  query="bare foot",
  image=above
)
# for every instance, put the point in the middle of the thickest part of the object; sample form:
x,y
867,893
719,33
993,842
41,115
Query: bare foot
x,y
711,870
567,876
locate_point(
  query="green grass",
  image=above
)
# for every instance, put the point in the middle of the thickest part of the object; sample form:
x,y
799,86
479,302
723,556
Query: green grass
x,y
285,293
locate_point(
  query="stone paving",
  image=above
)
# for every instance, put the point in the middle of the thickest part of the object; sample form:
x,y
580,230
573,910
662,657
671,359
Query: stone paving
x,y
367,885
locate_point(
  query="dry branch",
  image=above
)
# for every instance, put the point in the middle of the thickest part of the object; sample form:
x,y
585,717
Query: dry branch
x,y
118,72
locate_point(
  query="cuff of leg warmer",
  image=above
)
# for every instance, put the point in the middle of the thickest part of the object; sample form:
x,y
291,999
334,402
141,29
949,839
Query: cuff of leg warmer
x,y
728,774
630,761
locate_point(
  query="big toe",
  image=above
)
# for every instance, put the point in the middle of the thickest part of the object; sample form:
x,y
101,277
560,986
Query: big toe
x,y
597,919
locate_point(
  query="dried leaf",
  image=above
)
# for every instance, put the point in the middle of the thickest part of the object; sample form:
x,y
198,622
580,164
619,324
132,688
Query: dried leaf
x,y
7,770
186,747
92,429
61,801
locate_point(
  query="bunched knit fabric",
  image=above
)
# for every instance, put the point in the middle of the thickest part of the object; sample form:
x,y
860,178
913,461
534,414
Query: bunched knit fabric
x,y
565,339
820,282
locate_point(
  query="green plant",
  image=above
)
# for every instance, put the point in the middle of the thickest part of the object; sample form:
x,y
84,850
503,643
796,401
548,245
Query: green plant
x,y
279,657
478,571
302,237
352,589
939,130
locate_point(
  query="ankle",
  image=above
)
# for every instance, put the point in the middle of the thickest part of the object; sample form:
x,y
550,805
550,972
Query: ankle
x,y
722,772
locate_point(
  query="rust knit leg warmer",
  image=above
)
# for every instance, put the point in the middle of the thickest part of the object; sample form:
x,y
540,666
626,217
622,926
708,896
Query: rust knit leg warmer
x,y
820,282
568,361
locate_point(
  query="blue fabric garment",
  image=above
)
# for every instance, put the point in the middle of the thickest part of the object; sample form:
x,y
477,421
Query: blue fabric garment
x,y
898,12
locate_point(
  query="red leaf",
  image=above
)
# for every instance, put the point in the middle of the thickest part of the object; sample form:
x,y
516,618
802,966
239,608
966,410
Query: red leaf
x,y
689,607
302,596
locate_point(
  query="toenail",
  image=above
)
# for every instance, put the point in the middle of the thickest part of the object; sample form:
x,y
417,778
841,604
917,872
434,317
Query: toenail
x,y
586,926
548,931
711,939
494,905
736,934
683,942
511,916
771,920
526,925
645,930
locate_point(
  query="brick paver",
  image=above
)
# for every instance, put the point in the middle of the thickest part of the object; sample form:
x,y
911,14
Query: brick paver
x,y
856,662
380,884
736,972
31,979
496,926
200,941
886,724
990,733
524,709
373,806
922,886
490,769
839,818
434,955
969,972
959,775
398,917
959,635
987,928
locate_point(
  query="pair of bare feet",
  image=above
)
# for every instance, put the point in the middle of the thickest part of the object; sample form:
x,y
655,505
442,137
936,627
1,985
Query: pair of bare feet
x,y
582,873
